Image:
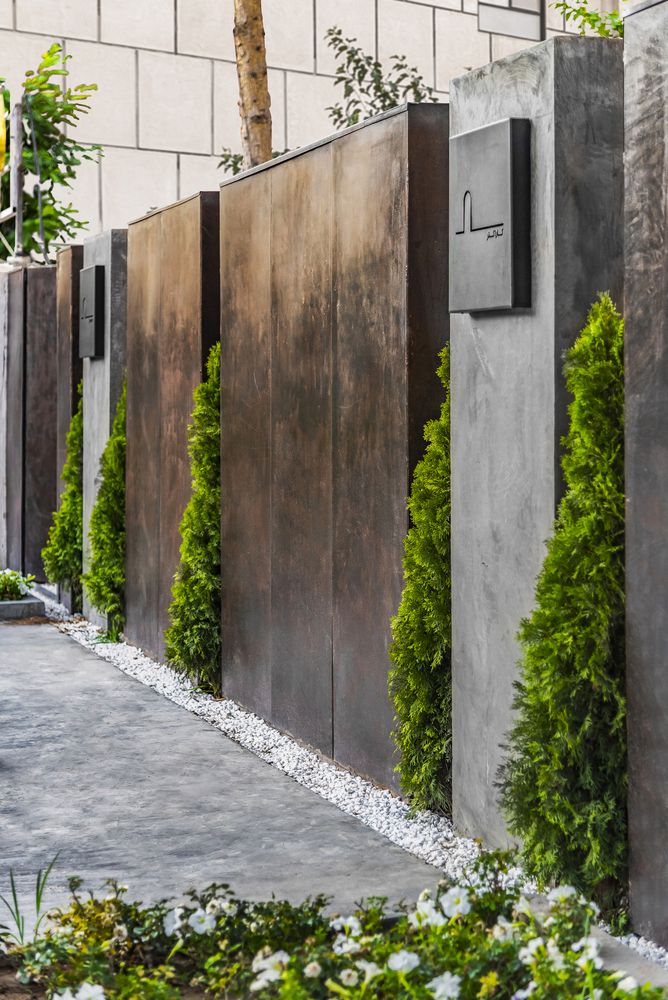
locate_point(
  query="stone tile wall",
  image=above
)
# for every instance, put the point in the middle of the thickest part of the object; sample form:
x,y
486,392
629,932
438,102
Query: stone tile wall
x,y
167,90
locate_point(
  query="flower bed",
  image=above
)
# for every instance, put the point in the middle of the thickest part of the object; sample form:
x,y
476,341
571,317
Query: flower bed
x,y
476,938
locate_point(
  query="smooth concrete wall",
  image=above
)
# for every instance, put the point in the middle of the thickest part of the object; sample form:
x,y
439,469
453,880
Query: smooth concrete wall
x,y
103,377
509,403
646,318
4,358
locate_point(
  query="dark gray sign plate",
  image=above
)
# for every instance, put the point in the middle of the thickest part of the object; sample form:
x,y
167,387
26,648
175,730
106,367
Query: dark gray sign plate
x,y
490,217
91,312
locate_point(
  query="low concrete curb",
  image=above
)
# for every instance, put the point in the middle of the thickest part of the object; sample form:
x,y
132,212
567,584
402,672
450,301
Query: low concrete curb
x,y
26,607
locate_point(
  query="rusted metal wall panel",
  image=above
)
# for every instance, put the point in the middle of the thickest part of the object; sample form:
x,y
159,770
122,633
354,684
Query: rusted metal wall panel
x,y
40,470
173,320
245,221
15,427
370,417
301,394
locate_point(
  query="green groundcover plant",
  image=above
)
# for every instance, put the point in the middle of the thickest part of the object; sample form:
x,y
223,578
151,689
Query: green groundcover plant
x,y
62,554
193,638
105,581
474,939
420,679
13,585
564,781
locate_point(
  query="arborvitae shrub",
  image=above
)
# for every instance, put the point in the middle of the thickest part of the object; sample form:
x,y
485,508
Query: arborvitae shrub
x,y
564,780
105,582
193,638
420,680
62,553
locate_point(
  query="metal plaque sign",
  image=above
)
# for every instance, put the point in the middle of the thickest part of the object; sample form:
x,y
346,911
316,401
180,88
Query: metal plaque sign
x,y
490,217
91,312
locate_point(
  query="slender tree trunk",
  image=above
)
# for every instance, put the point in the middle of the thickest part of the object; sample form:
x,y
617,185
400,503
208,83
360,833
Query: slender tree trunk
x,y
254,100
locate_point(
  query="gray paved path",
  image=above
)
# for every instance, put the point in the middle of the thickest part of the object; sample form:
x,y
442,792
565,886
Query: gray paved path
x,y
125,784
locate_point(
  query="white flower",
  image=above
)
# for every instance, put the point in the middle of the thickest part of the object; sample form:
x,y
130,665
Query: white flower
x,y
344,945
88,991
370,969
270,968
589,948
214,906
229,907
120,933
172,921
561,893
445,987
628,984
403,961
502,930
349,977
526,992
312,970
554,955
349,925
456,902
427,914
424,895
201,921
258,962
528,954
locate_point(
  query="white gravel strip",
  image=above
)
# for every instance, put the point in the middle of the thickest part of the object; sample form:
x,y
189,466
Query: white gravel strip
x,y
423,834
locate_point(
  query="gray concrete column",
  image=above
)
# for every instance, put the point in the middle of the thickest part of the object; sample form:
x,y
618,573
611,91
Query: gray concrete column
x,y
103,376
509,403
646,317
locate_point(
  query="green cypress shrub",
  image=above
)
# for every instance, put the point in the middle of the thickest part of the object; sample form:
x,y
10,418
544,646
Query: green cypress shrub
x,y
62,554
105,582
420,679
564,779
193,638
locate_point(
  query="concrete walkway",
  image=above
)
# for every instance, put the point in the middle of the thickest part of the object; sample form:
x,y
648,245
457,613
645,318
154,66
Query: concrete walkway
x,y
125,784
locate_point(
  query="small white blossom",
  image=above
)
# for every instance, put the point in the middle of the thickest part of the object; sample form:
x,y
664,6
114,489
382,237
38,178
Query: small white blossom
x,y
456,902
527,954
561,893
201,921
348,925
427,914
172,921
403,961
120,933
526,992
369,969
270,968
65,995
312,970
258,962
424,895
344,945
502,930
590,952
229,907
628,984
349,977
445,987
554,955
88,991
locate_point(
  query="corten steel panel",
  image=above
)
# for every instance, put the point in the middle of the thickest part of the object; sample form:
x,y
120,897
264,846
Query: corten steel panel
x,y
188,329
173,321
245,214
40,469
142,469
15,425
70,369
646,430
301,394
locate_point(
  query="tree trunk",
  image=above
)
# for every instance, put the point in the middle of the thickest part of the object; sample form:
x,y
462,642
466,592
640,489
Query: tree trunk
x,y
254,100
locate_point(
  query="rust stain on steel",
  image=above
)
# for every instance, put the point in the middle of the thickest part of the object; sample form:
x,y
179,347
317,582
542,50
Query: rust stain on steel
x,y
173,321
327,383
245,218
40,471
69,364
15,390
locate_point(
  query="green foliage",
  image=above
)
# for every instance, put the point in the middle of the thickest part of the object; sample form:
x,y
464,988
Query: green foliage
x,y
607,24
564,781
51,111
368,87
420,680
105,582
62,555
471,940
193,638
13,585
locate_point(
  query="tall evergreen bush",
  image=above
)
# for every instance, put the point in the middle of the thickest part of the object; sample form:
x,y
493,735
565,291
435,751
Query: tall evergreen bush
x,y
105,582
420,680
62,554
193,638
564,781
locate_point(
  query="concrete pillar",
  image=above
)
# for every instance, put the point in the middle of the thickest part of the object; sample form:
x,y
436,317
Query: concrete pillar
x,y
509,403
103,376
646,318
